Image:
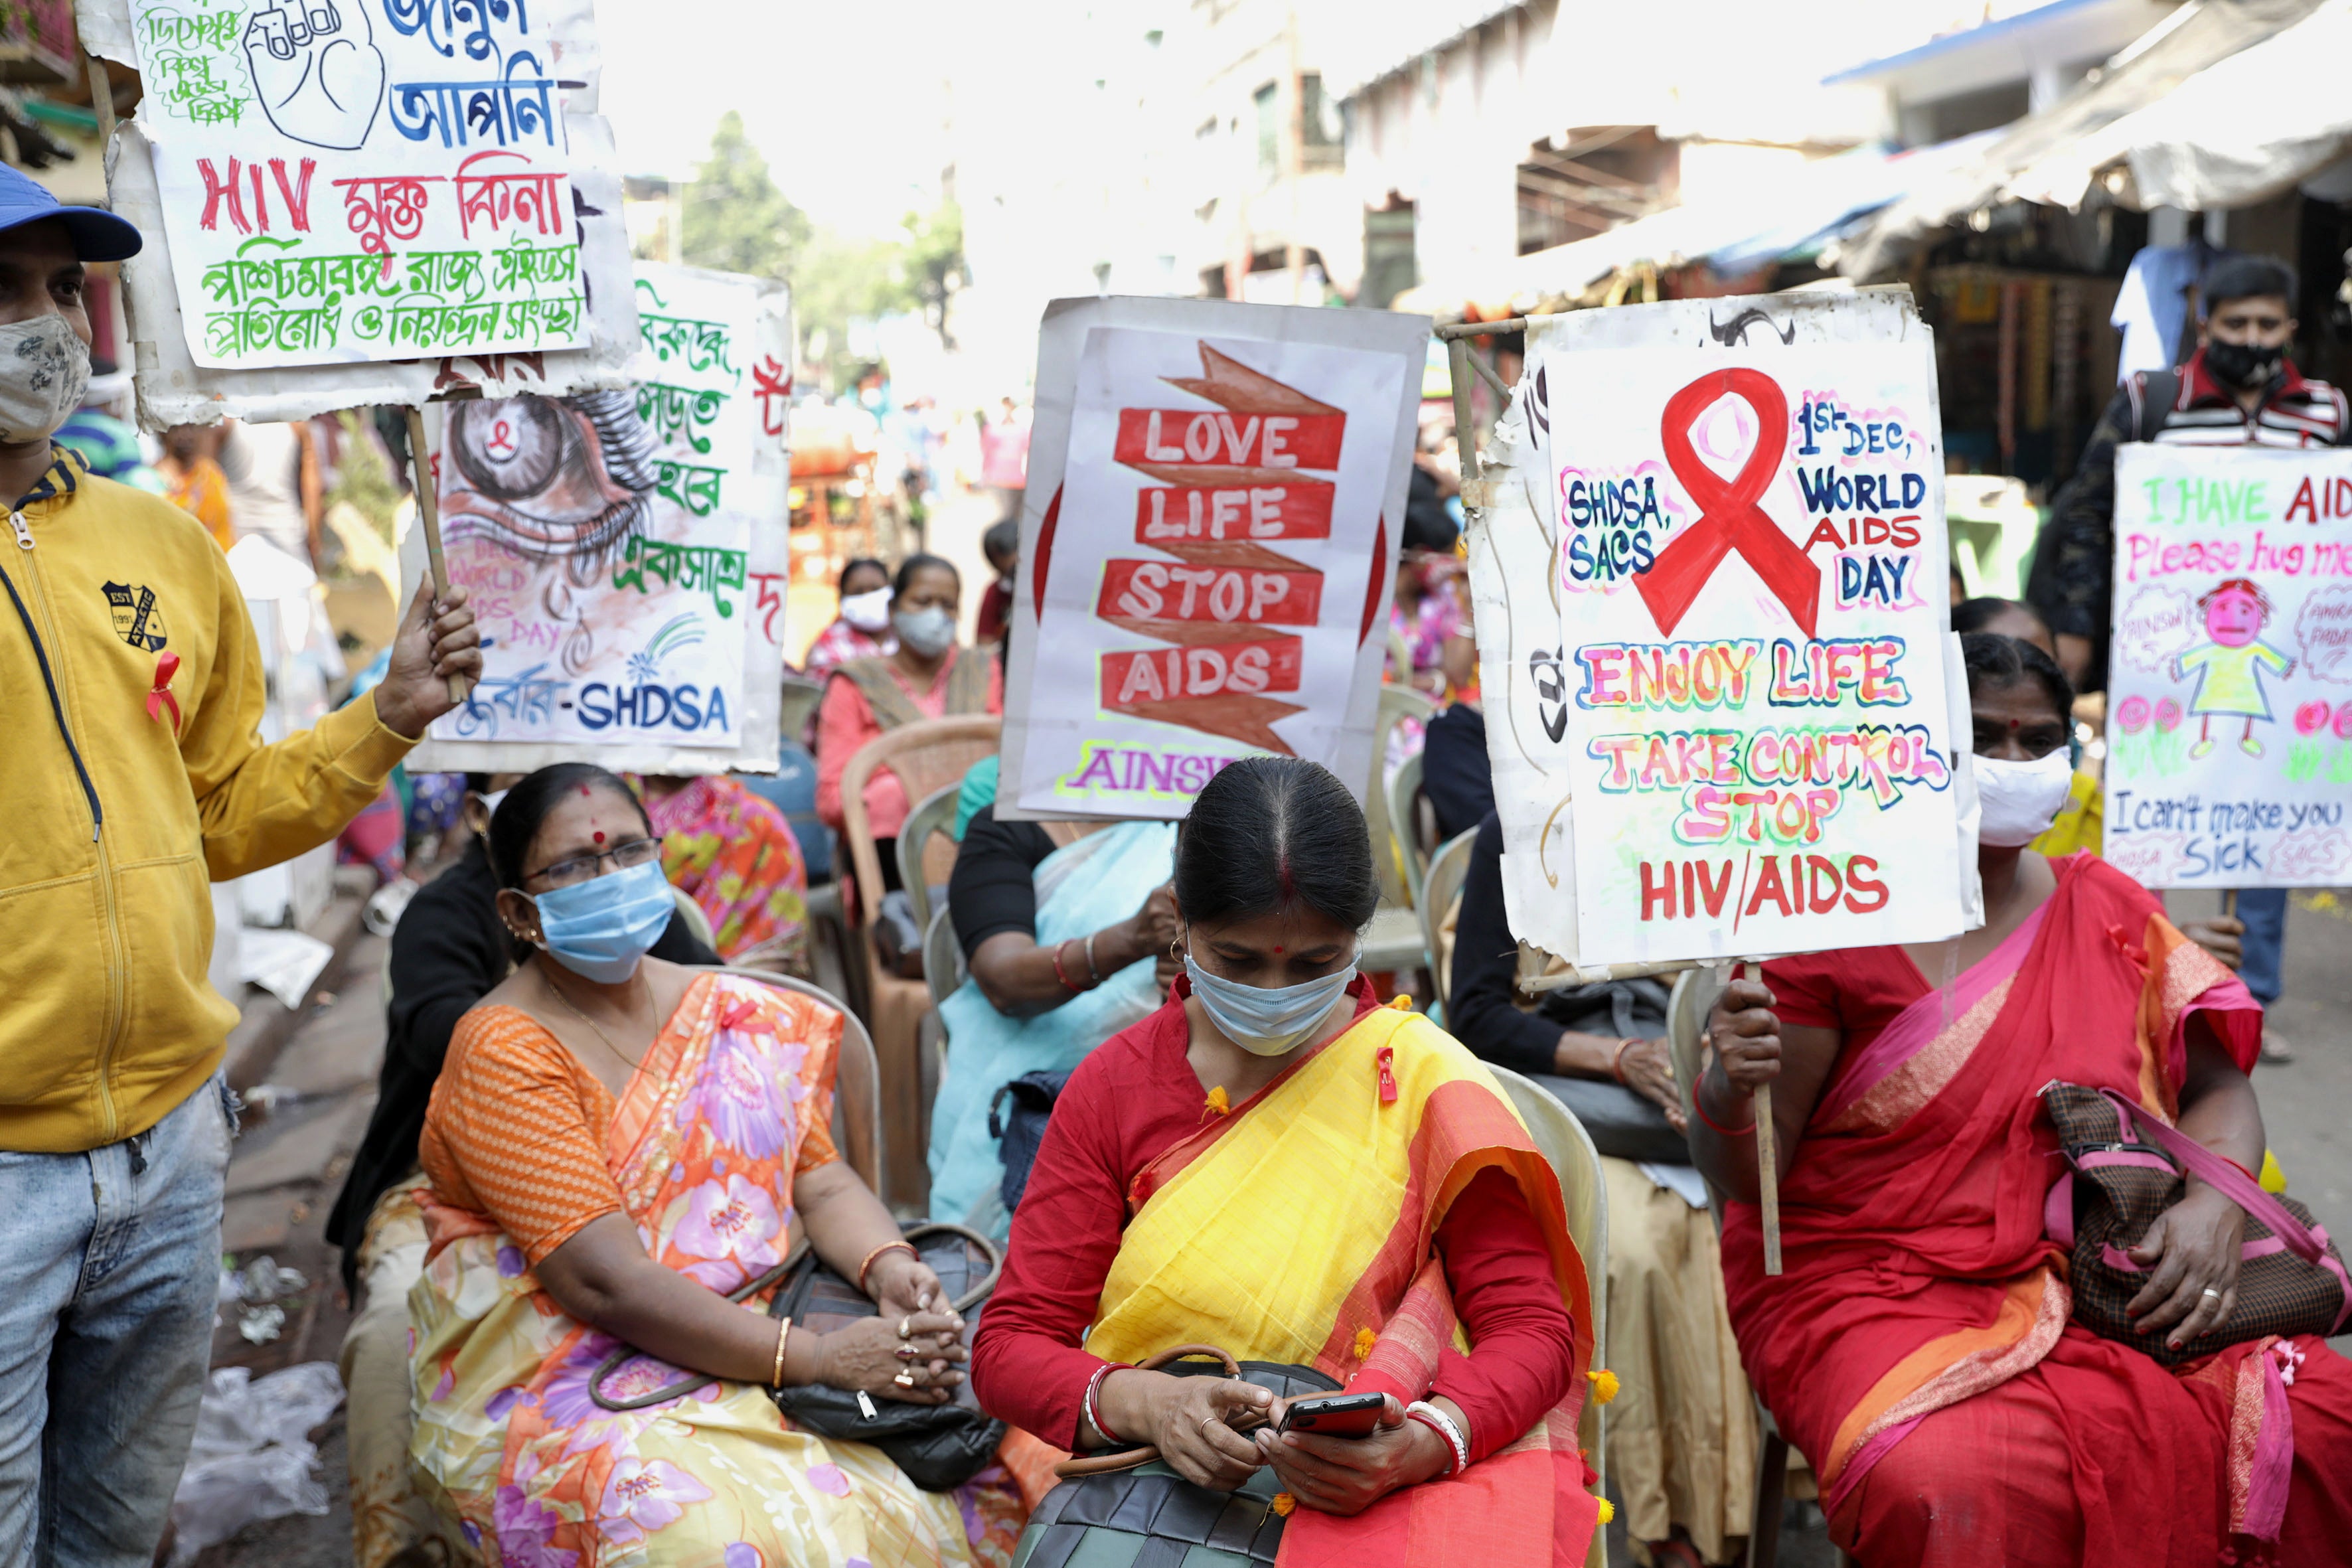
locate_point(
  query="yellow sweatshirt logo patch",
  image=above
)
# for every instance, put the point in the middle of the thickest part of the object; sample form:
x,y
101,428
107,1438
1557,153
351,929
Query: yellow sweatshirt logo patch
x,y
138,619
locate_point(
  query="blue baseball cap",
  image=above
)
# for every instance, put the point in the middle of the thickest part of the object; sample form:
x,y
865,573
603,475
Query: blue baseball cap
x,y
97,234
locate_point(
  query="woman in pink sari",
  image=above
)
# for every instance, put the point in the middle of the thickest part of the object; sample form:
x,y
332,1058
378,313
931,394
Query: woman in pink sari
x,y
1919,1348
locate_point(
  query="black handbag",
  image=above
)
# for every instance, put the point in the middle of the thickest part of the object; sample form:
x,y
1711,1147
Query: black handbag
x,y
1132,1507
1020,1131
940,1447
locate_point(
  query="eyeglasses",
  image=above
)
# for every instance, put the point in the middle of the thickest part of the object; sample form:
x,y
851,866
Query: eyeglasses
x,y
577,868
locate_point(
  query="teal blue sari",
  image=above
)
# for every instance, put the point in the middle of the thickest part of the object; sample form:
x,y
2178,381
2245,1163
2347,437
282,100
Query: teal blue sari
x,y
987,1050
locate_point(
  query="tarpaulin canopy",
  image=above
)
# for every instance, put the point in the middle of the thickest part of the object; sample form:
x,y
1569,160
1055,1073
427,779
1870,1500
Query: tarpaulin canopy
x,y
2237,132
1783,218
2259,127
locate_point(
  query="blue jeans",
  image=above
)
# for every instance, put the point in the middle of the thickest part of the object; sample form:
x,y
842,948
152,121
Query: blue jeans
x,y
2264,911
106,1327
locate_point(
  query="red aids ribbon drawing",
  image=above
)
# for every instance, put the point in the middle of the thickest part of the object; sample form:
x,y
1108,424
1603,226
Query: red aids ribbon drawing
x,y
167,665
1730,520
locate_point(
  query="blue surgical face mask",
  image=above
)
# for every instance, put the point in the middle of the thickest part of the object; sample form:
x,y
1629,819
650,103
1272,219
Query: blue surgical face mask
x,y
600,929
1263,1021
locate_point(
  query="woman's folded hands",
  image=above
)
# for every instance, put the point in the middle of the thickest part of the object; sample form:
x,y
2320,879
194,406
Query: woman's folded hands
x,y
870,1355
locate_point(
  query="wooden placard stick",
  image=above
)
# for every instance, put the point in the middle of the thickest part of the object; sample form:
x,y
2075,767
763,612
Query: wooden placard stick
x,y
2229,903
1768,1160
429,512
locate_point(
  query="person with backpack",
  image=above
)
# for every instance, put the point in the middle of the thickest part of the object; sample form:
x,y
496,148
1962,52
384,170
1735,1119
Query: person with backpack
x,y
2239,388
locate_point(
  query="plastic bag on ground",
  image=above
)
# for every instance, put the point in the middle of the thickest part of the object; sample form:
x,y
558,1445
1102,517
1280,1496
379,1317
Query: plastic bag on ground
x,y
252,1457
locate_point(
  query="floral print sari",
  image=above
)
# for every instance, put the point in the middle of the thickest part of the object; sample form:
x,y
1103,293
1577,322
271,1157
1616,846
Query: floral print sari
x,y
702,1146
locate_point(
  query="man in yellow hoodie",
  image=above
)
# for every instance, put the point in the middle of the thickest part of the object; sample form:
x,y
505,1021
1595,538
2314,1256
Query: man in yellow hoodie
x,y
131,776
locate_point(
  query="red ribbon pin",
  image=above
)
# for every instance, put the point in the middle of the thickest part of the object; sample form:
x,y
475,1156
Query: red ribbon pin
x,y
167,665
1728,517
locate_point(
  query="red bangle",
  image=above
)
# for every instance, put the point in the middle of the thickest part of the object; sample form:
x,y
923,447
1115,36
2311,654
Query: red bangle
x,y
1698,1104
1617,1062
1089,1410
1065,979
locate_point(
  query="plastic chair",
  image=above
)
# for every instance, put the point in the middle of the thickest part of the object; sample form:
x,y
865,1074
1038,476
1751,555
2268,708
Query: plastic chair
x,y
943,964
927,848
800,695
697,922
1396,702
1693,999
928,757
1585,1191
857,1098
1405,825
1448,870
791,789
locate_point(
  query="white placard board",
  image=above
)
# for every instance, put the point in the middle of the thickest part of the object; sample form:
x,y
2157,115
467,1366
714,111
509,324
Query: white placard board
x,y
283,278
1694,757
1209,537
2230,668
625,551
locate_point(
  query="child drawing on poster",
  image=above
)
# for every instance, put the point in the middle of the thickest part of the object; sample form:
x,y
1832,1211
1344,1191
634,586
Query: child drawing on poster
x,y
2228,666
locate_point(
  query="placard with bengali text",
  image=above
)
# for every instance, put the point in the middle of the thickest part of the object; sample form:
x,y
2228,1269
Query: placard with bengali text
x,y
353,180
625,550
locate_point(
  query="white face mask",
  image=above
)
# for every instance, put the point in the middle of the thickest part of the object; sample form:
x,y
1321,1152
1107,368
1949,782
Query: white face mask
x,y
868,612
929,632
2019,801
44,372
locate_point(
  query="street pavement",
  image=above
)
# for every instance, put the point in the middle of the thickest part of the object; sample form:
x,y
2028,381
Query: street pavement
x,y
290,1162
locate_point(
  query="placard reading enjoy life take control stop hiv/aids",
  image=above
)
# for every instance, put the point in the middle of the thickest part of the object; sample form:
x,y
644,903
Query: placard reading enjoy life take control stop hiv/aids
x,y
1750,567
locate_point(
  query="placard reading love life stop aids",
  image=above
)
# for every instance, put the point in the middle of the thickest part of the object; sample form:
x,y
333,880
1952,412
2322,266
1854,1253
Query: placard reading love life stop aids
x,y
1751,665
1208,546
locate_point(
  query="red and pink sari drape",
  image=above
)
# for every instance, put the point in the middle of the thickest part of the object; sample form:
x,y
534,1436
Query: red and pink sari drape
x,y
1919,1348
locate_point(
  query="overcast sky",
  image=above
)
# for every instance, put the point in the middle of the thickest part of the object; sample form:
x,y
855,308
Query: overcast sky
x,y
845,108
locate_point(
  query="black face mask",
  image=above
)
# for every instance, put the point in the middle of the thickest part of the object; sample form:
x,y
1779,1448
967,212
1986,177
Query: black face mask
x,y
2243,364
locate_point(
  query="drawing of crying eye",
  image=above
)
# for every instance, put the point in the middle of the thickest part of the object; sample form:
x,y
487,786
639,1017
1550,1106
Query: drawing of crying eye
x,y
568,479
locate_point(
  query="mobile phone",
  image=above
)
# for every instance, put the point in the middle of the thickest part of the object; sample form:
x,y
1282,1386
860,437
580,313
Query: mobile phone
x,y
1335,1415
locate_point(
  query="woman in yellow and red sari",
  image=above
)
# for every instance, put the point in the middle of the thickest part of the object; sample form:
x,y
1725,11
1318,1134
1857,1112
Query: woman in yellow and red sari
x,y
1276,1165
616,1145
1919,1348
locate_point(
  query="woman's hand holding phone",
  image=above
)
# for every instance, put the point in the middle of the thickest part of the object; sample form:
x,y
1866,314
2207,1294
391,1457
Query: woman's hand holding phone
x,y
1347,1475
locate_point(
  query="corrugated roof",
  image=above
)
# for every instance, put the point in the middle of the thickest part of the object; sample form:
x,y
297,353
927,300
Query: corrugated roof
x,y
2194,38
1778,219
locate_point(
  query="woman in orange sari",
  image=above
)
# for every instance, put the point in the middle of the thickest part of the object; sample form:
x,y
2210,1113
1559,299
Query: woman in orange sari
x,y
1919,1348
1276,1165
616,1145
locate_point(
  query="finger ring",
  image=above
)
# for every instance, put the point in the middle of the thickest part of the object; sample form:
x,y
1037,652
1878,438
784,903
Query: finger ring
x,y
2209,1290
905,1327
1205,1422
905,1379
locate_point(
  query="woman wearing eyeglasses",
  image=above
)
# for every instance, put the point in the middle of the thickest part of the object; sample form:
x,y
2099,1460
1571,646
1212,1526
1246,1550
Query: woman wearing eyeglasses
x,y
615,1145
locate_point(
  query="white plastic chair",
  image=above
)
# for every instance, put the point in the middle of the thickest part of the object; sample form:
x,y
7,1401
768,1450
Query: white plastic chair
x,y
1585,1192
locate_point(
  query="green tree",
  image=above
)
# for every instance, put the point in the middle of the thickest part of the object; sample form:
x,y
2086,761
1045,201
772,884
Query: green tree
x,y
935,267
736,219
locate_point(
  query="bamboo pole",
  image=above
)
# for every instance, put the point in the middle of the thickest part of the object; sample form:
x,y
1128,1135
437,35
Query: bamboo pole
x,y
1768,1163
429,512
102,100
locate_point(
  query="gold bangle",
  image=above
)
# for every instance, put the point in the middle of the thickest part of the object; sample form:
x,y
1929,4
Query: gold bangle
x,y
784,1332
865,1268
